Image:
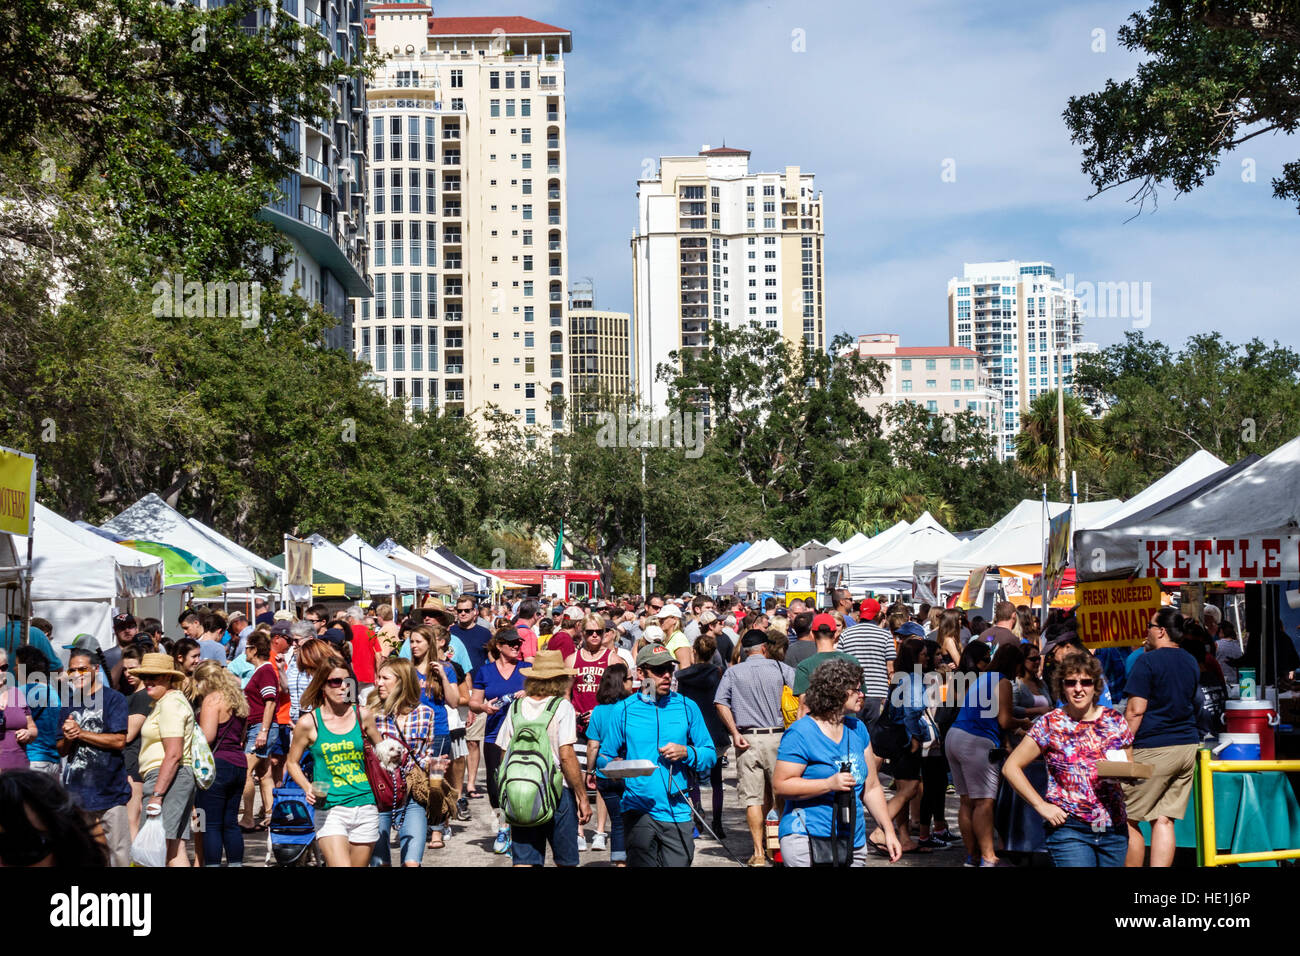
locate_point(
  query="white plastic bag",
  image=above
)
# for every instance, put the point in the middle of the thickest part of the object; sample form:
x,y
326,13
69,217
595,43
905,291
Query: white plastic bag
x,y
150,845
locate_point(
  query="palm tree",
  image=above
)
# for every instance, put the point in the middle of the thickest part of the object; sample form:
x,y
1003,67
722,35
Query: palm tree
x,y
1037,454
898,494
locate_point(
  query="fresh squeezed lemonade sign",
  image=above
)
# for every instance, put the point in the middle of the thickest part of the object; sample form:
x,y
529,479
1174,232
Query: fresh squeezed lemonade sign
x,y
1222,559
1116,613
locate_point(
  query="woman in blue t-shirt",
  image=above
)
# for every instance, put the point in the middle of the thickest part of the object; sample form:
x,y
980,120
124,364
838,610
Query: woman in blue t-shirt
x,y
823,755
501,677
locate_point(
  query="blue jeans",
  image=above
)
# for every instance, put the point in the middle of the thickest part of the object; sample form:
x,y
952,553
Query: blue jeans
x,y
1074,843
411,835
611,791
528,844
220,806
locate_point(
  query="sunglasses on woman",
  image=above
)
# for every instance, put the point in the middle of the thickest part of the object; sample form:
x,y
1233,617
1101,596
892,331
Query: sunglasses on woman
x,y
1078,682
335,681
596,631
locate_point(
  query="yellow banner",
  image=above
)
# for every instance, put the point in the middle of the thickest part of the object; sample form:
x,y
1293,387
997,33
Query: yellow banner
x,y
808,597
17,491
336,589
1116,613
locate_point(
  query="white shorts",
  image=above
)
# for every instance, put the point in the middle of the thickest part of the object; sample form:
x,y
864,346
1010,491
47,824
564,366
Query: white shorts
x,y
358,824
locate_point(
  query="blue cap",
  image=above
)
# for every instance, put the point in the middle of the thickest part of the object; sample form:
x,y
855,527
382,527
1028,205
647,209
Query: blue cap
x,y
910,629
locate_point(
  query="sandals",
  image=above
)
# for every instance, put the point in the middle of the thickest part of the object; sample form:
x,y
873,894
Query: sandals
x,y
878,848
441,844
474,794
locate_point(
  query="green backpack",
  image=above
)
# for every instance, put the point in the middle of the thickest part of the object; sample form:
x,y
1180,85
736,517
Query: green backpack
x,y
530,782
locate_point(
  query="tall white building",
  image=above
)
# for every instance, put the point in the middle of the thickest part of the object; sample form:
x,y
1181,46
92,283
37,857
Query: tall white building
x,y
468,212
715,242
1025,325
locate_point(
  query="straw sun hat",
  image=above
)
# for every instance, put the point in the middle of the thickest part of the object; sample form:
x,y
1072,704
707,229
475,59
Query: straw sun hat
x,y
152,665
548,664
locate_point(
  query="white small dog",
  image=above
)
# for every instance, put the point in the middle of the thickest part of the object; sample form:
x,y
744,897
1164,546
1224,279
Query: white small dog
x,y
389,753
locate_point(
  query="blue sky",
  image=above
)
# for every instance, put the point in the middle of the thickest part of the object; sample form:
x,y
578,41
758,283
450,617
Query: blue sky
x,y
880,97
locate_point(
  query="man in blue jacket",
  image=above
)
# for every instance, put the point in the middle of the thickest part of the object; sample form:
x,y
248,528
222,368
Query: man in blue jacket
x,y
667,729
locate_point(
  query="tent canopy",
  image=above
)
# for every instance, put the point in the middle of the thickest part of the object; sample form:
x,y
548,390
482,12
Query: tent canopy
x,y
1250,499
407,579
721,561
70,563
480,577
268,576
798,559
1017,539
753,554
440,579
889,567
152,519
861,550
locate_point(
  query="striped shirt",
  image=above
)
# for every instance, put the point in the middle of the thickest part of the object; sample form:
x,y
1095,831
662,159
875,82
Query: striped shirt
x,y
873,647
752,689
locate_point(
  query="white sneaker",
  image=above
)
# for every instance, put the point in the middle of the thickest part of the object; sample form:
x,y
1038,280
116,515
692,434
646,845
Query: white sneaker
x,y
582,843
598,842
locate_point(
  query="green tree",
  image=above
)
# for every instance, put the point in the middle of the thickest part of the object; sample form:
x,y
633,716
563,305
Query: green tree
x,y
1161,406
1218,73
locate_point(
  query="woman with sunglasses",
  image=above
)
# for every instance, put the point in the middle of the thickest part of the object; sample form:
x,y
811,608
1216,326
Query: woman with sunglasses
x,y
590,660
493,686
1086,820
1029,695
331,728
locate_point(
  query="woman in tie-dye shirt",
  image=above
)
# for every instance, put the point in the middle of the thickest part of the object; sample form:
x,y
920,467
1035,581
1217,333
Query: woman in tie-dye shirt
x,y
1086,823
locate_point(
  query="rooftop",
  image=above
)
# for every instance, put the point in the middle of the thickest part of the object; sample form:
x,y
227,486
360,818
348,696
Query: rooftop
x,y
471,26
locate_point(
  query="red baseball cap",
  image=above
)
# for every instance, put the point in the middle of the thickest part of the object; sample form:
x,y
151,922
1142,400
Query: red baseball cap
x,y
825,621
869,609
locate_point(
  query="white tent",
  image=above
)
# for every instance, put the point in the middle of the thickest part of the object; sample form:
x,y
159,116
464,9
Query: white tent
x,y
330,559
152,519
407,579
756,553
444,557
439,578
1261,499
836,544
1017,539
799,579
78,577
889,567
856,552
268,575
1195,469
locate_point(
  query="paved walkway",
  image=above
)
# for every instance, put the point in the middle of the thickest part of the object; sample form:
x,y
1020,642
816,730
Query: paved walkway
x,y
471,842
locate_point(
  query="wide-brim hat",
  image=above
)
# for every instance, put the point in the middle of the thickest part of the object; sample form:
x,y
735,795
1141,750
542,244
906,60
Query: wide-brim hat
x,y
157,665
434,606
548,664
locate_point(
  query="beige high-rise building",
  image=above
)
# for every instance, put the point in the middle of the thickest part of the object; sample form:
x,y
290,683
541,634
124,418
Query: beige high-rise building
x,y
600,359
715,242
468,212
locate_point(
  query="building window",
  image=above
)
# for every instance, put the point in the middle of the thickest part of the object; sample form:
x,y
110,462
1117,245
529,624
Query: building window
x,y
931,406
494,80
457,78
907,384
494,108
931,383
930,365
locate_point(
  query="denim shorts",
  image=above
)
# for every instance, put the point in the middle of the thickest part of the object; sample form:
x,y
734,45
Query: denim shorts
x,y
528,844
277,741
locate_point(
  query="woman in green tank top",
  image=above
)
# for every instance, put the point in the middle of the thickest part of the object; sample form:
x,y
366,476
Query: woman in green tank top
x,y
346,815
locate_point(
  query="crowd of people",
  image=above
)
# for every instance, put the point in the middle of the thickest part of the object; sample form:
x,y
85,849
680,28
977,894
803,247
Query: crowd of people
x,y
601,718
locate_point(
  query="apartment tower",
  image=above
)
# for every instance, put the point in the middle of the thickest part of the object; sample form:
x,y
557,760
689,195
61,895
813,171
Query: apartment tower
x,y
1025,325
600,359
715,242
468,212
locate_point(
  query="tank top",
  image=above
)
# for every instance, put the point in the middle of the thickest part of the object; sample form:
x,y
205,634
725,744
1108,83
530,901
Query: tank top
x,y
979,712
228,746
340,760
587,681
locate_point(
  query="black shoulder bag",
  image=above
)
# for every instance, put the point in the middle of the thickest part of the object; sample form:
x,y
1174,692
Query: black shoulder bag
x,y
837,849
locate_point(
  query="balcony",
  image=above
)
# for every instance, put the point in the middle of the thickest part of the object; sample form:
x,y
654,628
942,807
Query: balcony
x,y
556,270
314,217
455,395
316,170
451,344
451,238
553,220
454,370
553,246
451,211
557,373
451,158
553,194
451,185
451,132
452,263
557,296
553,168
314,20
553,142
453,315
556,322
453,290
552,116
557,348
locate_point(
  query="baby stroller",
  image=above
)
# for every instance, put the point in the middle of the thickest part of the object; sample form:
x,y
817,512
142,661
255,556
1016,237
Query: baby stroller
x,y
292,828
